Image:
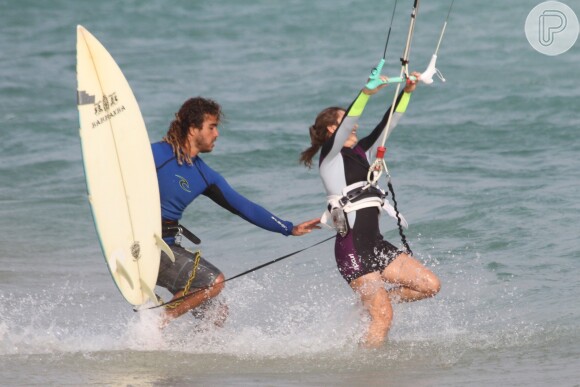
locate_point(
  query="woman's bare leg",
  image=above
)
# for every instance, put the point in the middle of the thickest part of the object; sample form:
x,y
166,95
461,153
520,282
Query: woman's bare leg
x,y
370,288
417,282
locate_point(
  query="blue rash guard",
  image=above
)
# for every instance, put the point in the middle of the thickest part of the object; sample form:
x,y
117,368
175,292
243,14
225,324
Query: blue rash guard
x,y
179,185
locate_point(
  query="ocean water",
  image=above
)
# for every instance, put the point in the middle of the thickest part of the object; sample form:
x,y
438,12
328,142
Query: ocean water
x,y
486,168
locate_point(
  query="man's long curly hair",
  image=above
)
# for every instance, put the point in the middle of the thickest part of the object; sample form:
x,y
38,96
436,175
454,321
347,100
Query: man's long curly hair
x,y
191,114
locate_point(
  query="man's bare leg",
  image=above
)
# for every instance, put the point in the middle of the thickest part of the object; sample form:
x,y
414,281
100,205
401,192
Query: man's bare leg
x,y
192,301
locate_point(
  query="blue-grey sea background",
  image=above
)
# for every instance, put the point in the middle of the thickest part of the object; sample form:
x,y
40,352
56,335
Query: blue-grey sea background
x,y
486,168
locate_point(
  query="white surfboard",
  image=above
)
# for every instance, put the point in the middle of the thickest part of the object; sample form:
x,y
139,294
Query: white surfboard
x,y
120,172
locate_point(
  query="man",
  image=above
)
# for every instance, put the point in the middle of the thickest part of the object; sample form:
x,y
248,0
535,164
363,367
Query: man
x,y
183,176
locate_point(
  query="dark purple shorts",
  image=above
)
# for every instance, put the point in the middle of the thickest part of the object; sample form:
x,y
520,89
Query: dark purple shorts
x,y
363,249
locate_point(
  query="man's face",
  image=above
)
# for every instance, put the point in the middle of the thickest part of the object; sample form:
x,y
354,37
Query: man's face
x,y
203,139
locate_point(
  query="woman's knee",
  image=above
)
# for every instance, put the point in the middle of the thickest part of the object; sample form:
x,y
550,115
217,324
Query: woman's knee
x,y
434,285
409,272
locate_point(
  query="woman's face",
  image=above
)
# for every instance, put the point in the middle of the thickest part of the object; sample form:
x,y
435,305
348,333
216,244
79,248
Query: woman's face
x,y
352,138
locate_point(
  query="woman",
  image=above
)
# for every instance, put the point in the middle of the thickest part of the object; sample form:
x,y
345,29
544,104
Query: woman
x,y
365,260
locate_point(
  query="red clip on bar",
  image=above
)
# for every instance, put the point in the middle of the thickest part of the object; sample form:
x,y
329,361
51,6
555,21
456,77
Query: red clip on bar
x,y
381,152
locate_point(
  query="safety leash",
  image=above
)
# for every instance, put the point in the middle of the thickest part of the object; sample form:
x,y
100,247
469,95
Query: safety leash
x,y
175,303
379,166
185,296
399,225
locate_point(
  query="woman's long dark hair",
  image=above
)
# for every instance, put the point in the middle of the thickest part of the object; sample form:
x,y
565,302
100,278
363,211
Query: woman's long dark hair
x,y
319,133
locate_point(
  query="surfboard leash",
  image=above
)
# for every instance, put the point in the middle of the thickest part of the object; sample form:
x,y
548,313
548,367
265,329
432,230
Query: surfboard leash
x,y
180,299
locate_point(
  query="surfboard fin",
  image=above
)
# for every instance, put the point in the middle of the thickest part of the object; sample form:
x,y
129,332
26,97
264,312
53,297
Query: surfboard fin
x,y
164,247
149,292
120,270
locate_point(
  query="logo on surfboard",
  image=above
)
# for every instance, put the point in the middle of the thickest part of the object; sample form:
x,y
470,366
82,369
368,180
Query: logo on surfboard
x,y
84,98
136,250
108,105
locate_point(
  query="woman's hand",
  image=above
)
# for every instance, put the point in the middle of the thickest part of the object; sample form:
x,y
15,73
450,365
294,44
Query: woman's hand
x,y
411,85
376,89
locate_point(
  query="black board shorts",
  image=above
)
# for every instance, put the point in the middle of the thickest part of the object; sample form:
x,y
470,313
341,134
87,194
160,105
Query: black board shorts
x,y
173,276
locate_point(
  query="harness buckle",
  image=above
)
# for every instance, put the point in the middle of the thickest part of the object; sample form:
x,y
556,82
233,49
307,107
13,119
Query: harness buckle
x,y
172,229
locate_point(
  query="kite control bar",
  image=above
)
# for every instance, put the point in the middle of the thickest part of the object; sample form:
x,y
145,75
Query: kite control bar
x,y
426,77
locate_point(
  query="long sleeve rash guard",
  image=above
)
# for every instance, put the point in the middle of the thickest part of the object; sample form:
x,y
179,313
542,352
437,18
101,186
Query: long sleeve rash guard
x,y
179,185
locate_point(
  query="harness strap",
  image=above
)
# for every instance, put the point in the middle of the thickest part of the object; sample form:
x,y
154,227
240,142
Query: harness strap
x,y
172,228
360,193
355,197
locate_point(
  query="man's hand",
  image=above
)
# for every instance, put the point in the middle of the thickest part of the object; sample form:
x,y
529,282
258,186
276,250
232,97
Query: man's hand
x,y
306,227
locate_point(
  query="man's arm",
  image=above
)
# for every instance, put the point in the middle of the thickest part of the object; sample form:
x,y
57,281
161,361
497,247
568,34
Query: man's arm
x,y
223,194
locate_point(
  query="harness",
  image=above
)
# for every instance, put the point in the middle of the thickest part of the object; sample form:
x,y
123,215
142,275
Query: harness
x,y
172,229
355,197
